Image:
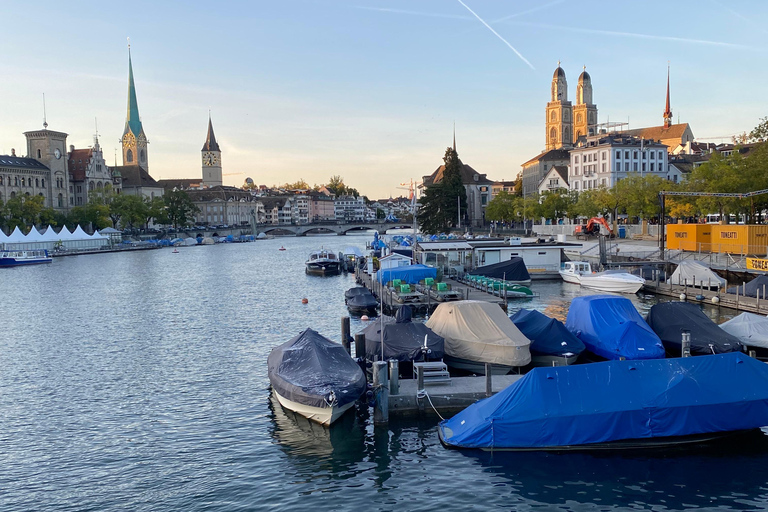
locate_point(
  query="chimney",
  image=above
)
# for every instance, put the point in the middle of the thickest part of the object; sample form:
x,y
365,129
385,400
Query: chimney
x,y
71,148
13,152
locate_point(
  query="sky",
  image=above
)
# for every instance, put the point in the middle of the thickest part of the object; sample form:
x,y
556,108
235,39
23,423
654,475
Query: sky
x,y
370,89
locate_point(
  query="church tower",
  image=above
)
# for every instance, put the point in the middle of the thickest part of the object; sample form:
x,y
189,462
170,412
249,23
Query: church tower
x,y
584,112
211,159
559,110
667,110
134,140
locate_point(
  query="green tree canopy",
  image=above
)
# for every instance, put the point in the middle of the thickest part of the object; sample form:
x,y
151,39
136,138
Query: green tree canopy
x,y
440,203
179,208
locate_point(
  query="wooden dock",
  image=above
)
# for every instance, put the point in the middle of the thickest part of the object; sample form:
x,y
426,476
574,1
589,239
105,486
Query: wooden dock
x,y
702,295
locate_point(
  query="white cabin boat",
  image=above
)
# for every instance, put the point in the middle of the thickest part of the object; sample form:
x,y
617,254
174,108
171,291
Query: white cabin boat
x,y
618,281
324,263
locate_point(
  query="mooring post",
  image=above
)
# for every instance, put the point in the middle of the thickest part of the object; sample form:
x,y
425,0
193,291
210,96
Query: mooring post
x,y
686,344
753,354
420,391
394,377
360,345
381,393
345,337
488,379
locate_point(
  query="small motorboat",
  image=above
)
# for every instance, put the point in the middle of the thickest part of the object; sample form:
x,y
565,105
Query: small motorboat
x,y
479,332
350,257
315,377
670,319
175,251
552,344
610,327
323,263
26,257
403,339
580,272
355,290
362,304
512,271
281,248
617,404
751,330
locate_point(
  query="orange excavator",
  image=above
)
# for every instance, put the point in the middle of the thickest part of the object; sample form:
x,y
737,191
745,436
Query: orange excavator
x,y
593,226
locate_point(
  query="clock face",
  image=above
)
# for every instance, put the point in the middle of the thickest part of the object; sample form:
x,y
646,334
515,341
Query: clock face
x,y
210,159
57,153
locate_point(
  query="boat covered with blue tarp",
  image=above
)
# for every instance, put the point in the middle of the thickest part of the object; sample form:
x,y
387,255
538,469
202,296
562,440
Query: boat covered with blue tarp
x,y
551,343
617,403
512,270
610,327
407,274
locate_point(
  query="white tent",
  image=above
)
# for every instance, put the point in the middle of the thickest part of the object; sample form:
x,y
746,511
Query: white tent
x,y
50,234
64,234
16,237
98,236
695,274
3,236
33,235
79,234
190,241
751,329
481,332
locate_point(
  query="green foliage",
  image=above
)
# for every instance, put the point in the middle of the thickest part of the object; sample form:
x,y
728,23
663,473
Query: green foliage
x,y
179,208
336,186
760,132
23,211
638,196
555,204
502,207
439,209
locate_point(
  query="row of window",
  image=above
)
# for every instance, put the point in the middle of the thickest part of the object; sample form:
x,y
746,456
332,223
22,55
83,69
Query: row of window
x,y
21,181
651,154
636,167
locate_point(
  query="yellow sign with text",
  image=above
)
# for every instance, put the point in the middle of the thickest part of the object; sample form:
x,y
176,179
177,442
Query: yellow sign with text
x,y
757,264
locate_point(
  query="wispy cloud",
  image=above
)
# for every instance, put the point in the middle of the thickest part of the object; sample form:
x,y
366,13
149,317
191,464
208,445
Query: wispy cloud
x,y
497,35
529,11
636,35
740,16
414,13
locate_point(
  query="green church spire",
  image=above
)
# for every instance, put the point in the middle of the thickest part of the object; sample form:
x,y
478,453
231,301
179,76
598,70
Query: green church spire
x,y
132,120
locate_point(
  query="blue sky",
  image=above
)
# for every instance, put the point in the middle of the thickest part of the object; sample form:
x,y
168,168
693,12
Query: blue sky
x,y
370,89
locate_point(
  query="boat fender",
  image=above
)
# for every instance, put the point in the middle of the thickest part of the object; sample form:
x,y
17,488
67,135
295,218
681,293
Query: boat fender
x,y
364,318
305,300
331,400
683,296
715,299
699,297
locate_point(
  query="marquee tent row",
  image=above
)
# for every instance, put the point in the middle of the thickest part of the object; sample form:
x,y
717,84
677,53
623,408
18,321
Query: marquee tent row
x,y
78,239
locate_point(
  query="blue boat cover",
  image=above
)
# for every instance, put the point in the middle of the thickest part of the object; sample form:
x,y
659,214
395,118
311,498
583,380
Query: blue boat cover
x,y
611,327
669,319
617,400
310,369
548,336
752,288
513,269
410,274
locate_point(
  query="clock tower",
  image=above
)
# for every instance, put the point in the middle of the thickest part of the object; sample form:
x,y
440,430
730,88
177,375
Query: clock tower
x,y
211,155
134,140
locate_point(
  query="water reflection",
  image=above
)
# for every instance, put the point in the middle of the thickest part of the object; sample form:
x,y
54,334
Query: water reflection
x,y
672,478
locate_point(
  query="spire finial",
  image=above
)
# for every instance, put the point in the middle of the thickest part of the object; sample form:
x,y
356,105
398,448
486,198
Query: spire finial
x,y
45,117
558,62
667,109
129,44
584,67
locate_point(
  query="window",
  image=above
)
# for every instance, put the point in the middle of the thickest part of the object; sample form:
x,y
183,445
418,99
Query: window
x,y
651,166
626,166
644,155
60,201
661,155
603,182
39,154
577,185
634,166
653,155
618,155
675,178
577,159
643,166
576,171
603,168
634,154
129,155
42,182
618,166
626,155
605,155
142,156
22,181
37,182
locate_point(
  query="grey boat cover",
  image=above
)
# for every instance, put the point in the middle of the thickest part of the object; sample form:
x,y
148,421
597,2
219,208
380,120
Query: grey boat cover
x,y
511,270
751,329
403,339
362,300
310,369
357,290
691,272
669,319
752,288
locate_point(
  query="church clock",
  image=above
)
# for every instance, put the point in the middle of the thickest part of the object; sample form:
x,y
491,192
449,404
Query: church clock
x,y
210,159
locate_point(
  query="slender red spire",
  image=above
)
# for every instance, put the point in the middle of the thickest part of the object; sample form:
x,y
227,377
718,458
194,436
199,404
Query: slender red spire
x,y
667,110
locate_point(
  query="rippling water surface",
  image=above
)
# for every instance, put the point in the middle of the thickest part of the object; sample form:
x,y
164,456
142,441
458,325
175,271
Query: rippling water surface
x,y
138,381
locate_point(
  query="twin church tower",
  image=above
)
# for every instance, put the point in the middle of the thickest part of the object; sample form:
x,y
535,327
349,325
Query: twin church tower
x,y
567,122
134,140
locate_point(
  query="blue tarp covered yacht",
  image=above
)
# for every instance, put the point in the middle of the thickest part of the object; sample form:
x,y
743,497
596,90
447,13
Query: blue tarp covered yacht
x,y
611,328
617,404
551,343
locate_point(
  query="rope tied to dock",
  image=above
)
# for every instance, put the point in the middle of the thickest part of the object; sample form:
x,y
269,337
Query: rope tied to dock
x,y
421,394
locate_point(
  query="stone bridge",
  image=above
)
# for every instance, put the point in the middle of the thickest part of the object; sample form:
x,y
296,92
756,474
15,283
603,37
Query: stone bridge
x,y
339,229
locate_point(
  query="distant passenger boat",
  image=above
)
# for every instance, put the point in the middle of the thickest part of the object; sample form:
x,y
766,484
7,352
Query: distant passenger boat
x,y
323,263
17,258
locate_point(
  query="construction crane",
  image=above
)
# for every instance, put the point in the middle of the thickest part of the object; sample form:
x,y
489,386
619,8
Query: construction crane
x,y
664,193
411,188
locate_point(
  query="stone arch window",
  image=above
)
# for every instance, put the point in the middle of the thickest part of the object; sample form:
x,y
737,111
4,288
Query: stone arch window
x,y
22,181
129,155
39,154
41,194
553,116
553,134
37,182
13,194
99,185
578,133
579,118
61,200
566,134
142,156
42,182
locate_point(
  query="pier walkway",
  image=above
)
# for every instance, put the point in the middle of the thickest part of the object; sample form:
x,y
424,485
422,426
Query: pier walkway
x,y
726,300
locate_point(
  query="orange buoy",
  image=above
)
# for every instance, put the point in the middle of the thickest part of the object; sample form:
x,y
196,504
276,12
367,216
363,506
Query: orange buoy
x,y
364,318
305,300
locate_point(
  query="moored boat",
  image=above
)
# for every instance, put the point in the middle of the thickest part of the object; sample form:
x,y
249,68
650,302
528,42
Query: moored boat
x,y
617,404
362,303
610,327
750,329
618,281
670,319
323,263
404,340
573,270
552,344
478,332
24,257
315,377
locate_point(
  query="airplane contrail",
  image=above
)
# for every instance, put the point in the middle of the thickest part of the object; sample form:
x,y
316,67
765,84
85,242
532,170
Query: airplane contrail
x,y
497,35
532,9
413,13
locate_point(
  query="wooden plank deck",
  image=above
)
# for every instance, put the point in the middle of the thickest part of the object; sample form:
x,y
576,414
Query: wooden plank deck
x,y
726,300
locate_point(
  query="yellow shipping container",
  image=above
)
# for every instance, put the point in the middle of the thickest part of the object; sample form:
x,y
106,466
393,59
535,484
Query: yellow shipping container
x,y
740,239
689,237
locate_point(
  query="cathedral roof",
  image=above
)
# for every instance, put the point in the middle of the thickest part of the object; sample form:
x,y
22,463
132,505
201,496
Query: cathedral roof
x,y
132,120
135,176
660,133
210,140
552,154
467,176
180,183
558,73
584,77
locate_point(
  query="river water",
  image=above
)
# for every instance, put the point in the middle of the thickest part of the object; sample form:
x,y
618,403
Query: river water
x,y
138,381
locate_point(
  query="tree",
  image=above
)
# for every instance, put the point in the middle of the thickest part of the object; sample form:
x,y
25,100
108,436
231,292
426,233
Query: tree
x,y
179,208
502,207
23,210
441,201
556,204
639,195
154,209
760,132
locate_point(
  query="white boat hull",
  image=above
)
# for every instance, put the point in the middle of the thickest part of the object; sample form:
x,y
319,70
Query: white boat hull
x,y
323,415
570,278
611,284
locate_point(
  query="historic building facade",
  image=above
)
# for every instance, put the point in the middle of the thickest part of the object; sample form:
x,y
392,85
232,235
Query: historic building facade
x,y
88,171
134,140
211,155
565,123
